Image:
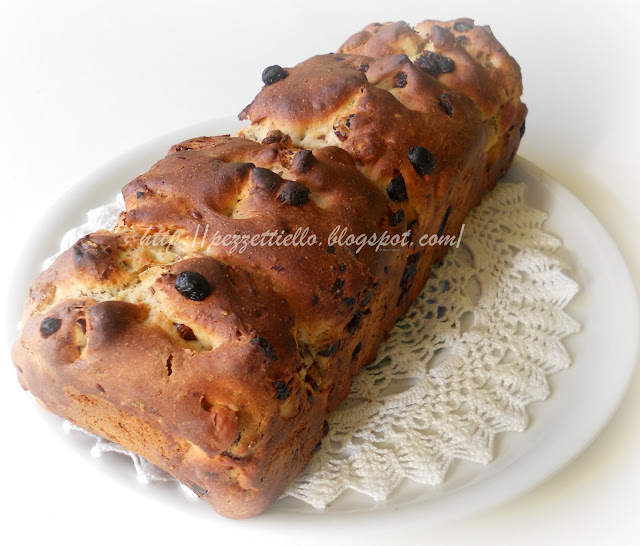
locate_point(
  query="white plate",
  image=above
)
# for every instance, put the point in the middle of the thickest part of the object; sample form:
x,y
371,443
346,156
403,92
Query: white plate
x,y
583,398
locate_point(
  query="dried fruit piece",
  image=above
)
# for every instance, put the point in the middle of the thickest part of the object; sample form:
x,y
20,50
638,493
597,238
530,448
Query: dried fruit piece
x,y
294,193
328,350
273,74
266,347
355,352
434,64
276,137
444,221
462,26
445,102
340,135
282,391
348,122
369,294
400,79
185,332
396,189
354,323
349,302
49,326
192,285
396,217
337,285
422,160
408,274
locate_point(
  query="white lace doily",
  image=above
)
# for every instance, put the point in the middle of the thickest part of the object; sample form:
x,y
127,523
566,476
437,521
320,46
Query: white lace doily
x,y
461,366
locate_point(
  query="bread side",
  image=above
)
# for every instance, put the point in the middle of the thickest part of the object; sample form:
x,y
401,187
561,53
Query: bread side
x,y
227,387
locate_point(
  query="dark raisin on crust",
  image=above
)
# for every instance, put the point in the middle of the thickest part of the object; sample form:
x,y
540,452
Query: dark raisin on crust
x,y
354,323
340,135
337,285
348,122
522,129
355,352
315,300
49,326
185,332
231,456
396,217
328,350
445,102
282,391
408,274
363,67
331,249
444,221
266,347
349,302
308,379
80,250
369,294
400,79
192,285
273,74
462,26
139,194
276,137
422,160
433,64
396,189
462,40
200,491
294,193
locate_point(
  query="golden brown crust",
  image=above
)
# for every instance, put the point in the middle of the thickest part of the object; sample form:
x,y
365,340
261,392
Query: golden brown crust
x,y
227,389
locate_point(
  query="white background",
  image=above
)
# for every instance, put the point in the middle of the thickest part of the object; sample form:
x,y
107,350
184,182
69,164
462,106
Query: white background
x,y
81,83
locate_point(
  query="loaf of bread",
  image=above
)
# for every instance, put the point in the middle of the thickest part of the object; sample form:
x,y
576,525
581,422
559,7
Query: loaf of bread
x,y
219,365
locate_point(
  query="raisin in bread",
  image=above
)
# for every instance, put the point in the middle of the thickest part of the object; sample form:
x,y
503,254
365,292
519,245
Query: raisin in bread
x,y
219,366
